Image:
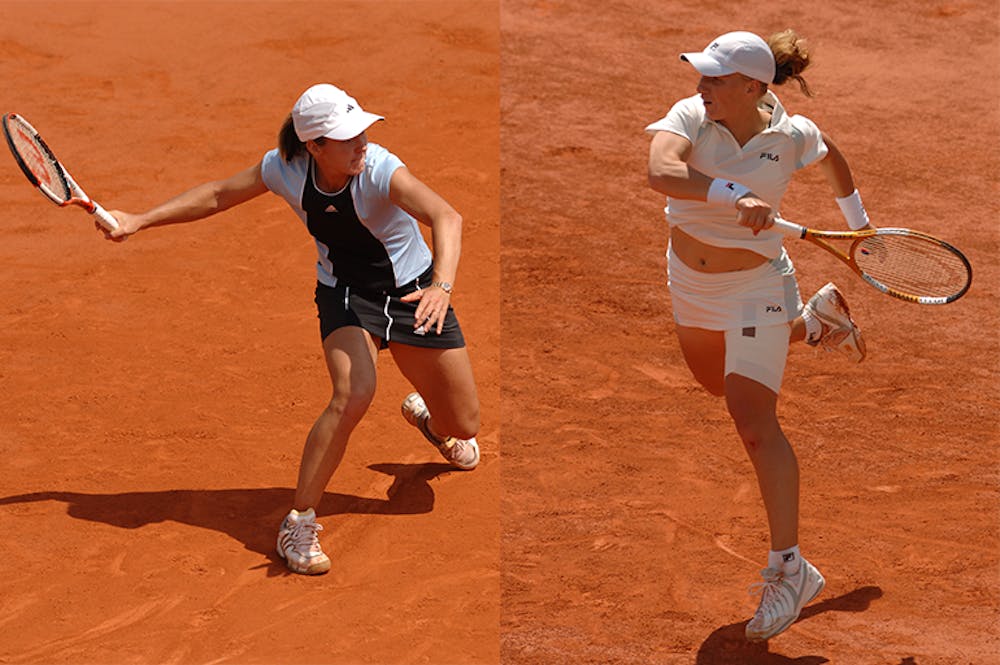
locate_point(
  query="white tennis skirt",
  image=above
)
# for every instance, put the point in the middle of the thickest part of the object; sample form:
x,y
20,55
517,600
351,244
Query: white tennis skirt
x,y
763,296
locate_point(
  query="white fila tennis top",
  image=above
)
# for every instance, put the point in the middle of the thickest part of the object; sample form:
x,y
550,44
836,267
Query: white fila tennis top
x,y
364,240
765,165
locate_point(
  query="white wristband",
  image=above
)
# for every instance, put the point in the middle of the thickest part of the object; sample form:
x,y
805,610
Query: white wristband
x,y
726,192
853,210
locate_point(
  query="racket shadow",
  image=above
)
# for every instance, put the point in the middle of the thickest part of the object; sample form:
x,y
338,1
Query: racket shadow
x,y
728,645
250,516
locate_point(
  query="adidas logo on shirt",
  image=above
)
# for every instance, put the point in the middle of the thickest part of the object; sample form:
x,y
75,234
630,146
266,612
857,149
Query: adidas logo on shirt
x,y
331,208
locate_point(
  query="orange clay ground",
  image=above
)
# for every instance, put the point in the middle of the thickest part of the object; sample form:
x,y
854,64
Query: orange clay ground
x,y
157,393
632,520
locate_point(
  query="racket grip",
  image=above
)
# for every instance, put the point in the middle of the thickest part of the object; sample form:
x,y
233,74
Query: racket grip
x,y
104,217
789,228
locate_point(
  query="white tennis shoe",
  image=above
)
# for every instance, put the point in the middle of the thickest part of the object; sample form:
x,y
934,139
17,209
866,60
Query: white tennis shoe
x,y
782,600
462,453
299,546
840,333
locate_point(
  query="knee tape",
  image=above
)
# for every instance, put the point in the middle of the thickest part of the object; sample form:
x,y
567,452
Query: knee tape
x,y
758,353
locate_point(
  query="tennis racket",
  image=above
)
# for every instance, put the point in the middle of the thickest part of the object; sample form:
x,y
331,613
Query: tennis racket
x,y
45,172
902,263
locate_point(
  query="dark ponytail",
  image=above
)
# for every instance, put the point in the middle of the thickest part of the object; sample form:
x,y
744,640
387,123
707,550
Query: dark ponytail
x,y
289,144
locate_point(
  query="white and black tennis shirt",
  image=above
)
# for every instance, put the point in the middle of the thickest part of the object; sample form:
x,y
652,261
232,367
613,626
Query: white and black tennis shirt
x,y
363,239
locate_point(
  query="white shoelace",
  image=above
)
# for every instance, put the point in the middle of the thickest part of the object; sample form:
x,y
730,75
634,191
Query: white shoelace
x,y
773,603
460,451
304,537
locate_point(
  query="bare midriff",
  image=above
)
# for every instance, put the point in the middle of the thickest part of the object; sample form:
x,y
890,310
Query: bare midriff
x,y
708,258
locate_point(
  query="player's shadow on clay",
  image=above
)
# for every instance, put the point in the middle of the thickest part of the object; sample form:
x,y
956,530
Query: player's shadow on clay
x,y
251,516
728,645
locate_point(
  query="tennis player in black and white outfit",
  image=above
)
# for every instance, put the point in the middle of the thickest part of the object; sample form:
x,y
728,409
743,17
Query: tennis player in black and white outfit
x,y
378,286
724,158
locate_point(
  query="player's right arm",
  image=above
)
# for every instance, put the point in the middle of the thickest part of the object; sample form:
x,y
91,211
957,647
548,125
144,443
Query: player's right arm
x,y
194,204
670,174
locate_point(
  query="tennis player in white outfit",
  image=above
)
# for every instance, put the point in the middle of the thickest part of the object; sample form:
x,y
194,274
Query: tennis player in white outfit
x,y
724,158
378,286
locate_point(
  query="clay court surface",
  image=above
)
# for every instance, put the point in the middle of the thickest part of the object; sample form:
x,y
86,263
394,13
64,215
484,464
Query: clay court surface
x,y
638,544
157,393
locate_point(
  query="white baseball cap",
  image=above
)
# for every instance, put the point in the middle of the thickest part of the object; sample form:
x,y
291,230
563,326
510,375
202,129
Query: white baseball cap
x,y
735,52
326,110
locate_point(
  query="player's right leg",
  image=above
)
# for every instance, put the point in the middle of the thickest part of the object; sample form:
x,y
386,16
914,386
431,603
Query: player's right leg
x,y
350,357
705,354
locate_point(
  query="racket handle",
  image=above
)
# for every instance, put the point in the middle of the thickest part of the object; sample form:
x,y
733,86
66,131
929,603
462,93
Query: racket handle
x,y
104,217
88,204
789,228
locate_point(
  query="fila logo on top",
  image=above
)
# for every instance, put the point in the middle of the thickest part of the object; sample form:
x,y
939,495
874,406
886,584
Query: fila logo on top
x,y
770,156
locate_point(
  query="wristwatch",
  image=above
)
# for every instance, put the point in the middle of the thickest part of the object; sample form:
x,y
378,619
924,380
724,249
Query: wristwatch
x,y
444,286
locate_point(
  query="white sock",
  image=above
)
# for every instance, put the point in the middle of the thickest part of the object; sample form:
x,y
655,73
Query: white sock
x,y
814,327
787,561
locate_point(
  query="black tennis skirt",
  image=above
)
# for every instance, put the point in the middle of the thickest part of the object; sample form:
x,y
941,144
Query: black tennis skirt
x,y
383,315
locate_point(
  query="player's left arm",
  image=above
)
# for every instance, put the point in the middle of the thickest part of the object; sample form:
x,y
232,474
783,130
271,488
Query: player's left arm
x,y
838,174
429,208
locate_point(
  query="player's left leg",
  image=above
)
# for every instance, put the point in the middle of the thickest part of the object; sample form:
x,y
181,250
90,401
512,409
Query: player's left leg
x,y
446,405
789,580
752,406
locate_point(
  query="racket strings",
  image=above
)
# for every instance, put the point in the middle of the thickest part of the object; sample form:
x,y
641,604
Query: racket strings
x,y
912,264
38,159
